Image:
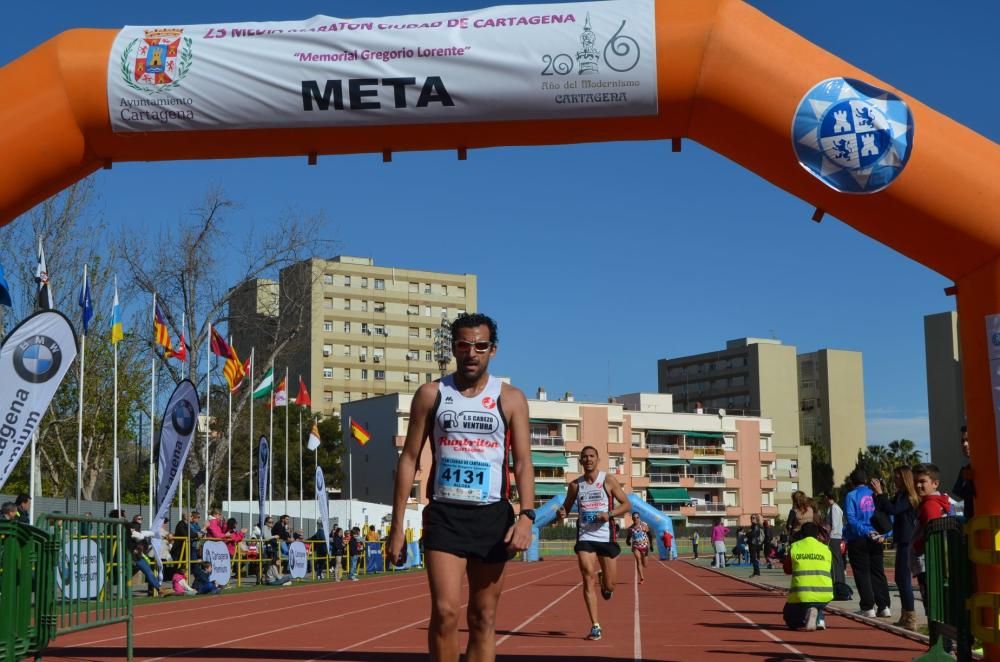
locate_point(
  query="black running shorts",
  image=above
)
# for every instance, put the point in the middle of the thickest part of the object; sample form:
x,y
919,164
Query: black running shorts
x,y
468,531
606,549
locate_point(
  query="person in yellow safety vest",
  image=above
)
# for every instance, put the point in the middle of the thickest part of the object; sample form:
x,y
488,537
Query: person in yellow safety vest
x,y
810,564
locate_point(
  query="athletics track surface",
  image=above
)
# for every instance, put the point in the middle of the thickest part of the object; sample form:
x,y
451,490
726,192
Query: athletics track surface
x,y
681,612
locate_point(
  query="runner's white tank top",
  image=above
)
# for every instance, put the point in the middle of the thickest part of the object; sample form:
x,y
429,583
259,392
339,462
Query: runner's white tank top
x,y
469,446
592,498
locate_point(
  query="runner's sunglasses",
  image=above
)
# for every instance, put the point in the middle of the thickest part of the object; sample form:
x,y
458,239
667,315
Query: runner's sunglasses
x,y
481,346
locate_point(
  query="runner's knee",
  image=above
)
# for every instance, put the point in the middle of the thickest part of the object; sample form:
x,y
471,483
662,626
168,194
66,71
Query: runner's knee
x,y
445,616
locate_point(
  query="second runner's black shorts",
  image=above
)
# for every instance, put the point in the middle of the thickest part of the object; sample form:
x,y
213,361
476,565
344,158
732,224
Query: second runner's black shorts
x,y
468,531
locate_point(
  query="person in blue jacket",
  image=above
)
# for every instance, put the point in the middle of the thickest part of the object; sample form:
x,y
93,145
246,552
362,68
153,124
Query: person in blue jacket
x,y
865,549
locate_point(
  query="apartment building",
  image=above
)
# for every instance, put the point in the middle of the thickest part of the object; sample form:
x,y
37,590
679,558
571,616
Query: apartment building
x,y
695,467
367,330
945,393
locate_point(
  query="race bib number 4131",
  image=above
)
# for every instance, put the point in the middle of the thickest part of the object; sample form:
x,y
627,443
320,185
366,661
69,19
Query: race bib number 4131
x,y
463,479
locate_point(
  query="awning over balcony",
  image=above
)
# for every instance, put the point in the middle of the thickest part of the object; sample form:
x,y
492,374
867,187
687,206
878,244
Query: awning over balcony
x,y
677,516
708,460
549,460
549,489
704,435
666,462
668,494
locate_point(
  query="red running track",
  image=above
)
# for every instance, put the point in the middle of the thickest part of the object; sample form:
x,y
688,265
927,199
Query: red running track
x,y
682,612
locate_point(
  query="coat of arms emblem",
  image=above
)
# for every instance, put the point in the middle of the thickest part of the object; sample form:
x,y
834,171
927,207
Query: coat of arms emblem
x,y
158,61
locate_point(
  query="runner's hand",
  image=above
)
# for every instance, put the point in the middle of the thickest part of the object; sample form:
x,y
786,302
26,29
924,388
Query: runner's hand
x,y
518,536
603,517
396,548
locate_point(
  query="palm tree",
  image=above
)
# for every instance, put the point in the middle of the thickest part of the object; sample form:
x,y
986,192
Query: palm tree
x,y
904,453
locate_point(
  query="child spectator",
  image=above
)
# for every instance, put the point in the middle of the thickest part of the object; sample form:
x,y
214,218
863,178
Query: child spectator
x,y
356,548
203,582
933,504
274,576
181,586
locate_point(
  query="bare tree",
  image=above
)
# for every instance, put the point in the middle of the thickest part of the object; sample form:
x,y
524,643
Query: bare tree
x,y
187,267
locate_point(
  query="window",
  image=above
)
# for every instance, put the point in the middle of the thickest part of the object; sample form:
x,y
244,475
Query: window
x,y
460,312
327,350
766,472
364,396
729,443
444,290
413,309
573,464
616,463
347,304
461,291
346,398
347,281
614,435
414,287
767,498
572,432
327,279
427,288
428,333
328,396
379,283
364,377
380,330
328,327
380,306
347,350
380,375
427,311
364,305
365,330
412,377
347,327
729,498
379,354
427,356
637,468
428,377
328,303
765,444
347,373
414,332
364,281
327,373
729,470
413,355
636,440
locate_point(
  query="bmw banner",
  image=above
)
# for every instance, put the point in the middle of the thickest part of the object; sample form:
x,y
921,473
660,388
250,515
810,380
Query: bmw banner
x,y
34,358
322,503
180,419
263,460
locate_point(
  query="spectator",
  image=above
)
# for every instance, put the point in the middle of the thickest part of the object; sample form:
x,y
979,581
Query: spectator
x,y
232,536
319,552
694,542
864,548
267,535
755,539
337,552
767,542
933,504
740,551
282,535
372,535
182,533
216,527
802,511
165,540
181,586
965,487
356,549
196,534
274,577
23,503
668,543
8,512
809,563
138,546
719,533
835,525
903,510
203,582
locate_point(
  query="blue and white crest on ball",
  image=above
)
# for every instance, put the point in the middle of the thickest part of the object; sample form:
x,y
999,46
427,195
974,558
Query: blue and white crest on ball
x,y
854,137
183,417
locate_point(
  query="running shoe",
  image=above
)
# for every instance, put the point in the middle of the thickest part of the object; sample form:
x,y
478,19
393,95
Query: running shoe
x,y
821,622
811,615
606,594
884,612
595,633
867,613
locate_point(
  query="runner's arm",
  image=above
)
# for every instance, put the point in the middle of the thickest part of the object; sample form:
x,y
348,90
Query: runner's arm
x,y
516,406
571,491
406,469
615,488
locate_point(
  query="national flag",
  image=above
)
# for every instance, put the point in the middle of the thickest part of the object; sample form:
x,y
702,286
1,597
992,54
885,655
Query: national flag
x,y
266,385
281,395
314,440
219,345
245,370
303,399
117,330
42,278
181,353
233,370
4,290
160,332
86,306
359,433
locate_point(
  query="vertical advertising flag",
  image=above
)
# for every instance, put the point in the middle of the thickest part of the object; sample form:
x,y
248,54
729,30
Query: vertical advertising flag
x,y
86,306
42,278
34,358
263,459
322,502
177,428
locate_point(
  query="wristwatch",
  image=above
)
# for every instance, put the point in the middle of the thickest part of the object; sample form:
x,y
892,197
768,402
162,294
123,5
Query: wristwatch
x,y
529,513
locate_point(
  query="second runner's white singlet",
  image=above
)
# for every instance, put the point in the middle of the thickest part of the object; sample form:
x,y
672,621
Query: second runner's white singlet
x,y
469,446
591,499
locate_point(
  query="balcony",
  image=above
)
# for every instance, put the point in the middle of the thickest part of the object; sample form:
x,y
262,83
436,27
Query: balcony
x,y
547,441
709,480
707,451
664,449
708,509
665,479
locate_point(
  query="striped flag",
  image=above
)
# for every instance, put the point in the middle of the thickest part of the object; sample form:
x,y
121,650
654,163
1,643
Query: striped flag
x,y
181,353
117,330
359,433
281,394
233,370
266,385
314,440
160,332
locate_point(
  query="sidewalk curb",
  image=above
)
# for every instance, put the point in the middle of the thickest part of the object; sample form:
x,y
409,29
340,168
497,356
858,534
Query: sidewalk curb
x,y
881,625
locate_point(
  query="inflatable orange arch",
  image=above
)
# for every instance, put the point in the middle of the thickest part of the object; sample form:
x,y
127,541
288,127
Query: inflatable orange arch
x,y
712,58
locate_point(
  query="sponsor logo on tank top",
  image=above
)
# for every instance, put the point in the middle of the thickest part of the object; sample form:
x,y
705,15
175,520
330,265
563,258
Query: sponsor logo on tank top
x,y
489,402
475,422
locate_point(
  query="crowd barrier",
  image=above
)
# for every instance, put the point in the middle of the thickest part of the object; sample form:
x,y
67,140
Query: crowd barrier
x,y
949,583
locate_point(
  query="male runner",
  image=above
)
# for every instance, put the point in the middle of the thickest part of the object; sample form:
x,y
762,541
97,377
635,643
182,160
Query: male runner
x,y
473,421
594,494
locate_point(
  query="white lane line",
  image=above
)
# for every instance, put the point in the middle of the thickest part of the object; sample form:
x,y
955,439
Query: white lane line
x,y
636,632
539,613
423,620
743,618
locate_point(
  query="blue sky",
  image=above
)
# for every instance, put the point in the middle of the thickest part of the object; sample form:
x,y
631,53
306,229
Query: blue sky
x,y
597,260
